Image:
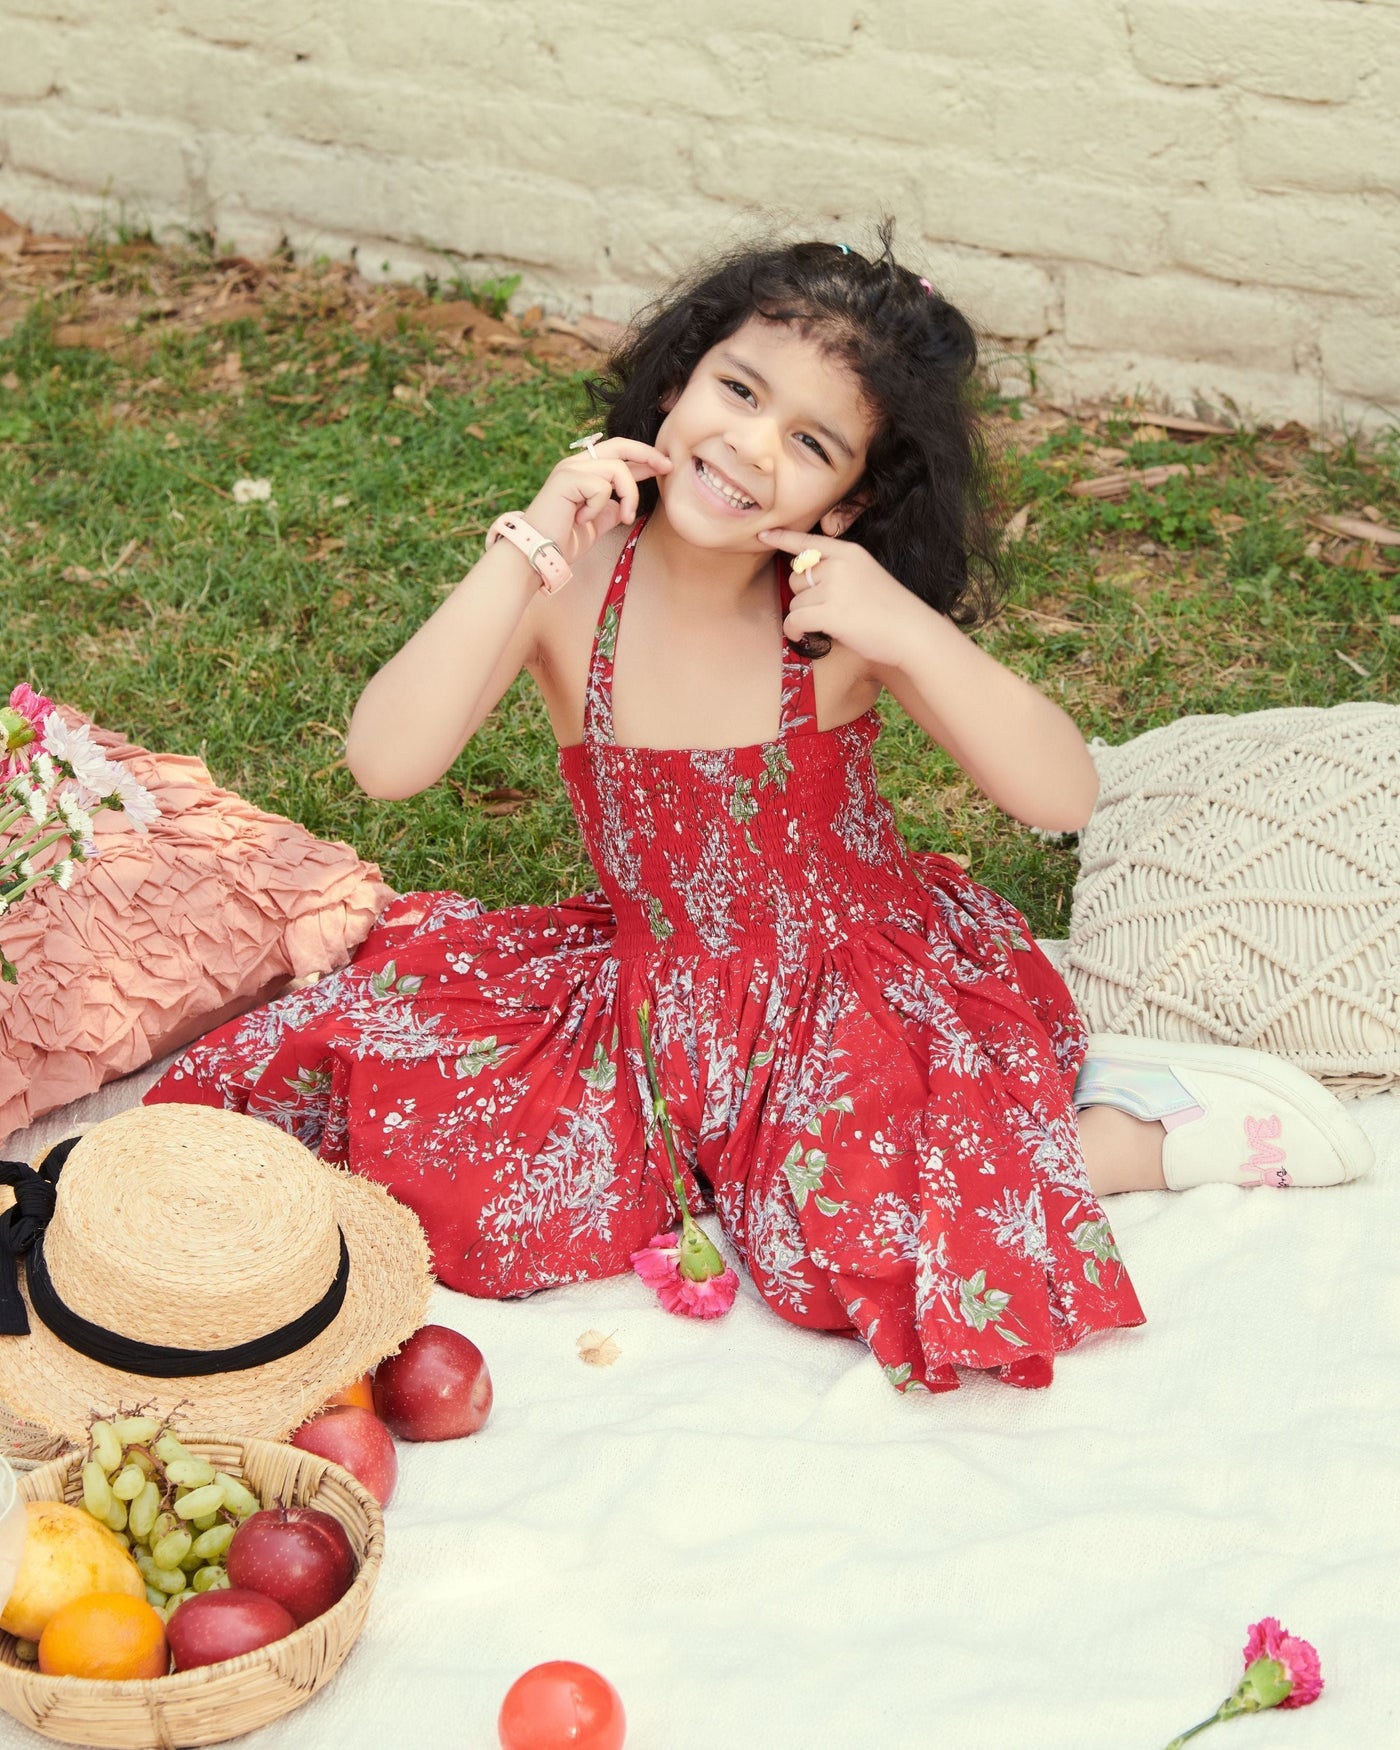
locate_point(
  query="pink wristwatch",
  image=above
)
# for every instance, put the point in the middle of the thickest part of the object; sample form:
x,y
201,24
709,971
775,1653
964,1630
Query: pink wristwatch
x,y
542,551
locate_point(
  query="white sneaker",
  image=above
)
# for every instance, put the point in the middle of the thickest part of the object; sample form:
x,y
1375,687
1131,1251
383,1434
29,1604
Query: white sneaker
x,y
1232,1116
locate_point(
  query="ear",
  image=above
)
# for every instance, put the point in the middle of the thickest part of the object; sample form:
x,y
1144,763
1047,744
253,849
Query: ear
x,y
669,400
840,517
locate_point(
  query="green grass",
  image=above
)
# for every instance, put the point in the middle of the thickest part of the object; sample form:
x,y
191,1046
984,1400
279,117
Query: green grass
x,y
137,589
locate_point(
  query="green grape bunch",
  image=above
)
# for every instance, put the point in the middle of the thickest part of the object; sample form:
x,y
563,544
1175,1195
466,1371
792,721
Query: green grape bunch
x,y
173,1510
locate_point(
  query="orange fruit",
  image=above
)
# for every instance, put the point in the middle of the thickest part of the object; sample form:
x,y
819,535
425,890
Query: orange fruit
x,y
360,1394
105,1634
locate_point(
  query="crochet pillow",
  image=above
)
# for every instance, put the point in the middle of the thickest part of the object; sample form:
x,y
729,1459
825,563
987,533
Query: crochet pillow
x,y
167,934
1240,882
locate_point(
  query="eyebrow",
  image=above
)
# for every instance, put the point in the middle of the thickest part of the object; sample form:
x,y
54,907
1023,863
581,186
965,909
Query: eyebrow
x,y
828,432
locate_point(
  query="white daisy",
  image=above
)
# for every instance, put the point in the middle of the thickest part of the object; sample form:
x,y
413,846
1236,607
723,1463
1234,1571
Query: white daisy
x,y
75,817
72,746
43,772
251,491
137,803
63,873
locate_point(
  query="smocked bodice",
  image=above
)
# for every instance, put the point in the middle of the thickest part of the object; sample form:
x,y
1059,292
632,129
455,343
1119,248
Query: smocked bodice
x,y
704,849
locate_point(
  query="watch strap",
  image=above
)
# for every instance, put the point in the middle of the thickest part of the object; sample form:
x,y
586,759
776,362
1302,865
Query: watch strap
x,y
542,551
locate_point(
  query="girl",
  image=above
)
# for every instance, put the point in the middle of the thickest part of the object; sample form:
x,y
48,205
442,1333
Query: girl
x,y
871,1066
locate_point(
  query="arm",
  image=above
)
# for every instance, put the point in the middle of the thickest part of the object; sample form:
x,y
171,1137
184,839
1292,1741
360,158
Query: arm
x,y
426,703
1019,748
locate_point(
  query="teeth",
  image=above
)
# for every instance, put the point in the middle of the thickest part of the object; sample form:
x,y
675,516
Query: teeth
x,y
713,481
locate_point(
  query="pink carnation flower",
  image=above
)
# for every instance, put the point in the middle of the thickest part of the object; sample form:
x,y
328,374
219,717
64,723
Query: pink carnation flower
x,y
1302,1668
659,1266
1279,1671
21,724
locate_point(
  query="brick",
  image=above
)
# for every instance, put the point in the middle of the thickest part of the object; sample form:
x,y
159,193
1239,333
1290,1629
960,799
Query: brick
x,y
1361,356
80,11
1113,128
33,54
1064,36
964,201
125,159
904,97
1260,45
490,46
653,239
1354,150
693,78
322,188
1186,317
809,21
389,116
798,173
1332,245
204,86
1250,395
529,218
999,295
286,25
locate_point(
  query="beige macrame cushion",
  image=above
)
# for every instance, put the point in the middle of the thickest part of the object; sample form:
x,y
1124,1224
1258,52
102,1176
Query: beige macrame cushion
x,y
1240,882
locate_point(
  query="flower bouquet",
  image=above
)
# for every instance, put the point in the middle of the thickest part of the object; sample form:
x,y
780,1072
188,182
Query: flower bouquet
x,y
53,780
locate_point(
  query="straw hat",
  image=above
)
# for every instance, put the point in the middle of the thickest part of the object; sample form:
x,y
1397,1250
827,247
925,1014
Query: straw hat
x,y
191,1229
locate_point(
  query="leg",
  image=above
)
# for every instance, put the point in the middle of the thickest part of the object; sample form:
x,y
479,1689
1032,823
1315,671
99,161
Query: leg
x,y
1122,1153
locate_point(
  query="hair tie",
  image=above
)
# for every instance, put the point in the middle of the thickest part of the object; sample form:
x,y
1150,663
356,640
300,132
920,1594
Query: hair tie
x,y
845,248
928,289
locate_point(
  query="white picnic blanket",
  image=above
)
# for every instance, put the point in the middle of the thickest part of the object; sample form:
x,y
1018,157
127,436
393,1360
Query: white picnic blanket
x,y
763,1546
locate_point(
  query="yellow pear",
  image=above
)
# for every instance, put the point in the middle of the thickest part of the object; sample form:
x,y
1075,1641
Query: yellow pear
x,y
67,1554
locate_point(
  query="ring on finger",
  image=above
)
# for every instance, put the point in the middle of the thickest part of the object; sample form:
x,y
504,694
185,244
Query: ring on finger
x,y
588,443
807,560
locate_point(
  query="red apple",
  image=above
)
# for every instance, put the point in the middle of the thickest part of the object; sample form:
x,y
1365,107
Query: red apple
x,y
435,1388
298,1555
221,1625
359,1441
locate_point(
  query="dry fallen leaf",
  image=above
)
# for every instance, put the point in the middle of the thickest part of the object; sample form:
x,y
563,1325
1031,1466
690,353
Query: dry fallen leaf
x,y
1359,529
1016,525
1119,485
597,1349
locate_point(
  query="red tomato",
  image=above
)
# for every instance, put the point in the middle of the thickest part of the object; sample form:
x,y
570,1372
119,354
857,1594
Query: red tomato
x,y
562,1706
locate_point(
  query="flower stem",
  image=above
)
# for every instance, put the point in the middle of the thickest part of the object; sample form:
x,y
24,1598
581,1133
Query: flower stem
x,y
1226,1711
659,1108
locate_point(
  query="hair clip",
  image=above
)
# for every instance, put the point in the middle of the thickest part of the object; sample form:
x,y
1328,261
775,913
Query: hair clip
x,y
928,289
845,248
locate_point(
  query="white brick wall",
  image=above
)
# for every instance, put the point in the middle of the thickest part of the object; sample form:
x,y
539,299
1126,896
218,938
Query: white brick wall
x,y
1194,199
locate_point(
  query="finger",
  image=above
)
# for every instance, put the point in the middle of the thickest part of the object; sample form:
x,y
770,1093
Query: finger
x,y
633,450
794,540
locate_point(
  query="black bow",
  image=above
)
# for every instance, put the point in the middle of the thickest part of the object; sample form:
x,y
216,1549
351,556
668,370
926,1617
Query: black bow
x,y
22,1224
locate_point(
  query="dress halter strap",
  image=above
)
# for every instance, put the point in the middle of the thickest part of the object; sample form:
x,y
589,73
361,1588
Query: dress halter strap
x,y
798,711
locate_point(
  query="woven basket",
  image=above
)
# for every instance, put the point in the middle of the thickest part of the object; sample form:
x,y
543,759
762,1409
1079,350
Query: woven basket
x,y
212,1702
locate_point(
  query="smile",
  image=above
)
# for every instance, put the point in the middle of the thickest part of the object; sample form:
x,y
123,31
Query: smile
x,y
722,489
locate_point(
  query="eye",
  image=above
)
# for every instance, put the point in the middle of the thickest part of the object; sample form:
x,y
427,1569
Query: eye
x,y
807,438
739,389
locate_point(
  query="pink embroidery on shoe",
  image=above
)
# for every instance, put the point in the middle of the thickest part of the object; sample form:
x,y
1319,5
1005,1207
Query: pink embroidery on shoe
x,y
1265,1164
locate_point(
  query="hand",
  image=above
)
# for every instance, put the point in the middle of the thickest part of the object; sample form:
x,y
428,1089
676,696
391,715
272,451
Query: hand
x,y
848,596
591,492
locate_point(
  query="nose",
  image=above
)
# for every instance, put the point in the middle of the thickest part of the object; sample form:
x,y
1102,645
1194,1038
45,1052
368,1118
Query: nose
x,y
754,442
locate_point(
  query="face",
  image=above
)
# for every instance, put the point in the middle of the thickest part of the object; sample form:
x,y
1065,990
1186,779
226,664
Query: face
x,y
770,432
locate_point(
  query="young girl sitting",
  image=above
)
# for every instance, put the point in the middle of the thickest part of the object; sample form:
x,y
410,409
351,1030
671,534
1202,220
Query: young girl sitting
x,y
869,1065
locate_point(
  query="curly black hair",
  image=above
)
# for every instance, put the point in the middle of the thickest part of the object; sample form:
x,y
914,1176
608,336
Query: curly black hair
x,y
926,518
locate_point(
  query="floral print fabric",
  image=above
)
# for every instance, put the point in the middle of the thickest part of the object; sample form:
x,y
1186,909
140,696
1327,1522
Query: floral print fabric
x,y
869,1063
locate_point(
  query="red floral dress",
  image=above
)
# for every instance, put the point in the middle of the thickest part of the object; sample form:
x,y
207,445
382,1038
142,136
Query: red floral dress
x,y
869,1063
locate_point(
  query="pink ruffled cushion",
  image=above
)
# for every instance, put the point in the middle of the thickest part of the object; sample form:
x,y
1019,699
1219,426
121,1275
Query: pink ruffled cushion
x,y
168,934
